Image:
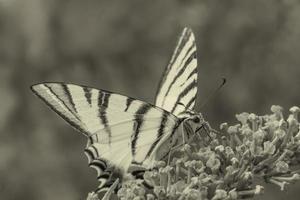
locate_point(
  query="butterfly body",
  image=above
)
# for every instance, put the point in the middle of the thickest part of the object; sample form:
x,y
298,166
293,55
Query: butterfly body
x,y
121,130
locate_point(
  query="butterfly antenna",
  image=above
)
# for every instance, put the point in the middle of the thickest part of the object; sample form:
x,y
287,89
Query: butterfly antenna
x,y
213,94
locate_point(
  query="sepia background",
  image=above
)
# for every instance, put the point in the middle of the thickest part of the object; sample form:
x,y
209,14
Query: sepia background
x,y
123,46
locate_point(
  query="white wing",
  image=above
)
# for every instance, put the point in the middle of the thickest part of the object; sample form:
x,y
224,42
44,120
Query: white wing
x,y
178,86
120,129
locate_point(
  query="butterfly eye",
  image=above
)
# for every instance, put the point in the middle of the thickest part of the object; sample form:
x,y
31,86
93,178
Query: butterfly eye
x,y
196,120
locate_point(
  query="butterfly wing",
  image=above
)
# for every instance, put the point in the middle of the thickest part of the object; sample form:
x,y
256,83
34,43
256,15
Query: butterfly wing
x,y
120,129
178,87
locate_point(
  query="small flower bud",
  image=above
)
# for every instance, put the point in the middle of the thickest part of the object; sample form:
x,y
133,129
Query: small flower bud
x,y
277,110
219,195
253,119
243,118
224,126
295,111
160,192
233,194
150,197
233,129
259,136
213,163
281,167
220,148
92,196
269,148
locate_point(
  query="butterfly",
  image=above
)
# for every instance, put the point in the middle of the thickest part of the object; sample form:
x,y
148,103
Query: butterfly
x,y
122,130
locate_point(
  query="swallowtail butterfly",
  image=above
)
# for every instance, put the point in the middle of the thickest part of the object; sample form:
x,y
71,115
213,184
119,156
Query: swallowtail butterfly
x,y
122,130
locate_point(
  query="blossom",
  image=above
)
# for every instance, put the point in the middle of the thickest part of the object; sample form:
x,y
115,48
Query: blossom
x,y
223,166
92,196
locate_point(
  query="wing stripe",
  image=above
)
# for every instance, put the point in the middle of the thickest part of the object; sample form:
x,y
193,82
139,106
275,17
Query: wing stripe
x,y
159,133
100,165
128,103
103,104
89,154
95,160
105,175
96,151
192,47
192,73
69,96
184,93
190,102
88,95
139,122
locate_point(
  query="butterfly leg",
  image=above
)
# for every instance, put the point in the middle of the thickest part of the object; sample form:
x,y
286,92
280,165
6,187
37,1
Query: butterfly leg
x,y
172,150
180,145
209,129
184,142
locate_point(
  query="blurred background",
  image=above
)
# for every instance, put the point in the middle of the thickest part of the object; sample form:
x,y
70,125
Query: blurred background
x,y
123,46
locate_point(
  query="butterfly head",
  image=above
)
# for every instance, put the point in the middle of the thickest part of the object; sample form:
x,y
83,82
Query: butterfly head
x,y
195,118
194,123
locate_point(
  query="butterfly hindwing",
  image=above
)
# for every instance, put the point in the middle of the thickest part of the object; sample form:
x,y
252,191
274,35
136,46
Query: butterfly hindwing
x,y
178,87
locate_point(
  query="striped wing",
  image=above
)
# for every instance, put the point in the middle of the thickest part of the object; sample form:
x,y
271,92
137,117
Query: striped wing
x,y
119,129
178,87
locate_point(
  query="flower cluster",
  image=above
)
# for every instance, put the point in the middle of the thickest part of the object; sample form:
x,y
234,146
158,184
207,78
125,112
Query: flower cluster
x,y
225,164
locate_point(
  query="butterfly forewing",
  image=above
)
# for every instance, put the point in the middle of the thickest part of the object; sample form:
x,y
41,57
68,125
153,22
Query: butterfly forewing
x,y
178,87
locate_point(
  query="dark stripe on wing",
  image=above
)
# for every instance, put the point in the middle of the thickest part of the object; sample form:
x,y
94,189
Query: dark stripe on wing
x,y
100,97
68,94
183,93
96,151
105,175
95,159
103,104
160,133
98,163
139,119
138,174
88,95
128,103
90,140
190,103
192,73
